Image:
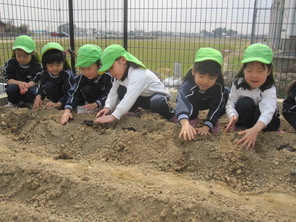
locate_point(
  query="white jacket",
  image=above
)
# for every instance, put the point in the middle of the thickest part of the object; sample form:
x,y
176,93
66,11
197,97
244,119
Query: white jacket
x,y
266,101
139,82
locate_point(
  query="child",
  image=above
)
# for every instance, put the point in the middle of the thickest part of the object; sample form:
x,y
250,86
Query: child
x,y
202,88
252,99
289,105
56,79
19,72
135,86
90,87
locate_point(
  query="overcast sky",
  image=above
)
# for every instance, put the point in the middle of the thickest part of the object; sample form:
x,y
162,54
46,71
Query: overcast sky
x,y
149,15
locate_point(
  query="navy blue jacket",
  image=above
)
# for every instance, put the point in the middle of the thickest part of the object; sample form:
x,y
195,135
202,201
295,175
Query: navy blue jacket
x,y
13,70
102,85
191,99
65,80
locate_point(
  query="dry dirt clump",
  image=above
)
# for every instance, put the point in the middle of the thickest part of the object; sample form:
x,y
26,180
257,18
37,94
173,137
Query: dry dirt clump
x,y
138,170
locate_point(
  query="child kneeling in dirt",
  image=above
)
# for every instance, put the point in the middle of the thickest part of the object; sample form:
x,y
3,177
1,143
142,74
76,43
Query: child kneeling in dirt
x,y
252,101
20,71
202,89
90,90
289,105
135,86
56,79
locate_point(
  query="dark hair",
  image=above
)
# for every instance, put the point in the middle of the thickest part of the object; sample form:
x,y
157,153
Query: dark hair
x,y
291,86
207,67
54,55
268,83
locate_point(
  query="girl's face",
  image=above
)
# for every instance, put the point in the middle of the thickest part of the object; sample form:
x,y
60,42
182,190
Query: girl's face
x,y
22,57
256,74
117,70
55,68
90,72
204,81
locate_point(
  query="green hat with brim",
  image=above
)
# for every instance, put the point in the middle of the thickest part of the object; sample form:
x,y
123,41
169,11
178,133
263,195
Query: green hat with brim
x,y
51,46
113,52
27,44
258,52
208,53
88,54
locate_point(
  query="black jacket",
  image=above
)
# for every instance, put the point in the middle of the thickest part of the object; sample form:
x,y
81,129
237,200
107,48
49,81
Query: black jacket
x,y
289,104
13,70
102,84
65,80
191,99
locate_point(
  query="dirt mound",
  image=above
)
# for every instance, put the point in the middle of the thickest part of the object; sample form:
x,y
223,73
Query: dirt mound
x,y
138,170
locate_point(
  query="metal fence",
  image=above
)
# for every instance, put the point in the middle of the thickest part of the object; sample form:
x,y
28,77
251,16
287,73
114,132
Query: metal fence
x,y
163,34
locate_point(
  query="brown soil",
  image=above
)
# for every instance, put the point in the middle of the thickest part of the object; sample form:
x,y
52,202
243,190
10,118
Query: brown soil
x,y
138,170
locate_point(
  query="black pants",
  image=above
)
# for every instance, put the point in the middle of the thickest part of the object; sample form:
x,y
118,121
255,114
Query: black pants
x,y
53,91
249,114
90,94
291,118
199,105
14,96
157,103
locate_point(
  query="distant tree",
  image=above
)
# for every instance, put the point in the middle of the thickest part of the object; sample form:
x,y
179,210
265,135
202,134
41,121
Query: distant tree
x,y
10,27
24,28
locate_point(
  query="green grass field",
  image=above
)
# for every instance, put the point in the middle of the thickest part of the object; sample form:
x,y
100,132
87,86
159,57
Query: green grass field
x,y
161,54
154,53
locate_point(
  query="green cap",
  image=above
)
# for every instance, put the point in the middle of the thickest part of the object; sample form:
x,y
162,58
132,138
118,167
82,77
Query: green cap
x,y
258,52
51,45
88,54
25,43
208,54
113,52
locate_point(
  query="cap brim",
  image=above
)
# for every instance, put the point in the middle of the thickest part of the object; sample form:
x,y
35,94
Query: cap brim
x,y
209,58
106,66
256,59
23,48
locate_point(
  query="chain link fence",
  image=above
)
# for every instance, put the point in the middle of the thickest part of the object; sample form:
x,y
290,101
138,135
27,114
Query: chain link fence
x,y
163,34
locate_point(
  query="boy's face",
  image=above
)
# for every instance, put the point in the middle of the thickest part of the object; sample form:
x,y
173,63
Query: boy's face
x,y
256,74
204,81
22,57
55,68
118,68
90,72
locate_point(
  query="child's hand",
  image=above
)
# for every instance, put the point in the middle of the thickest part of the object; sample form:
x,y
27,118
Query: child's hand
x,y
250,135
105,119
231,123
37,102
91,106
66,116
23,87
53,105
203,131
249,139
187,131
103,112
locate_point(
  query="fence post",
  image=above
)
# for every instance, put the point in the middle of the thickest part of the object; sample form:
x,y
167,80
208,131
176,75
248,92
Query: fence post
x,y
71,30
254,22
125,24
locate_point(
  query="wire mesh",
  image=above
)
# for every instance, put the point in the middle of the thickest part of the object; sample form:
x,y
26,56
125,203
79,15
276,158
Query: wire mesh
x,y
163,34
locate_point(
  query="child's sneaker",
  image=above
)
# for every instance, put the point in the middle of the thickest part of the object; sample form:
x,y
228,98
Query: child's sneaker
x,y
28,105
194,122
136,113
215,129
12,105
